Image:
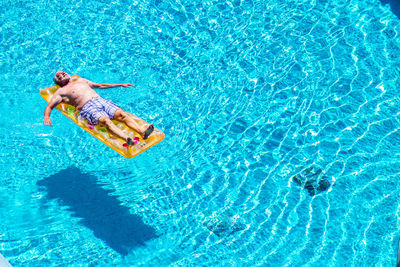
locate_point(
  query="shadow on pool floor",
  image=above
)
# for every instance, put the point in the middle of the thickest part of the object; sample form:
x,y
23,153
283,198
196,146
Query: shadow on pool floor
x,y
394,6
101,212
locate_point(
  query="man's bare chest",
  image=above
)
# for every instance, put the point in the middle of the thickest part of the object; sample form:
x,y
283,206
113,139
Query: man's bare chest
x,y
75,90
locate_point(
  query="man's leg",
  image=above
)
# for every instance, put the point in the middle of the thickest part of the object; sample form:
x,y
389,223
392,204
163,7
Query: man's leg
x,y
123,116
114,129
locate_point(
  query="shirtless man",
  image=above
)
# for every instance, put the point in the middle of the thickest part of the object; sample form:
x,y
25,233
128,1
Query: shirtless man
x,y
95,109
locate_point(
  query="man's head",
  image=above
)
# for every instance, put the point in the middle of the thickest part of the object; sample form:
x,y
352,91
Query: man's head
x,y
61,78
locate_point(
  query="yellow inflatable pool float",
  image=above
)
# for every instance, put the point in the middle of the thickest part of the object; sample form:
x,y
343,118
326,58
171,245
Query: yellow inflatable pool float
x,y
101,133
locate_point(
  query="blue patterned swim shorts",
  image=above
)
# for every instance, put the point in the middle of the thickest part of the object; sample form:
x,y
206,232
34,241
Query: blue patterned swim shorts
x,y
97,108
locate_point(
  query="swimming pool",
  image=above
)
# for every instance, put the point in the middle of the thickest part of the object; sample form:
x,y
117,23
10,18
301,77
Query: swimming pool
x,y
249,95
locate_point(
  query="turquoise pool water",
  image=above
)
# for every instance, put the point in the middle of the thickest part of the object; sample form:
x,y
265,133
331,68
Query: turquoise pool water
x,y
256,99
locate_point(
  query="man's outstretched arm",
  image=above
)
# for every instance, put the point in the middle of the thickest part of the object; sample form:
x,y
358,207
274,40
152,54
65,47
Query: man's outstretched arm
x,y
55,100
109,85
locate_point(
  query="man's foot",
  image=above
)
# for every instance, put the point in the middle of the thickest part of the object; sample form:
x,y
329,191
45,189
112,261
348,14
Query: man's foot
x,y
129,141
148,131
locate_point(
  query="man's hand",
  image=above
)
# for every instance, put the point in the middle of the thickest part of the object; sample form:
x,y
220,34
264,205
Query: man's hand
x,y
127,85
47,121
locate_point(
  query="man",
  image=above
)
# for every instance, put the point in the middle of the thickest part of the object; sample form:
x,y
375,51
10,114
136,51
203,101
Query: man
x,y
95,109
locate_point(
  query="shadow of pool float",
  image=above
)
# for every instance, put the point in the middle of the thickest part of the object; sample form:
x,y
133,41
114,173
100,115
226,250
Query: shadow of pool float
x,y
98,209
